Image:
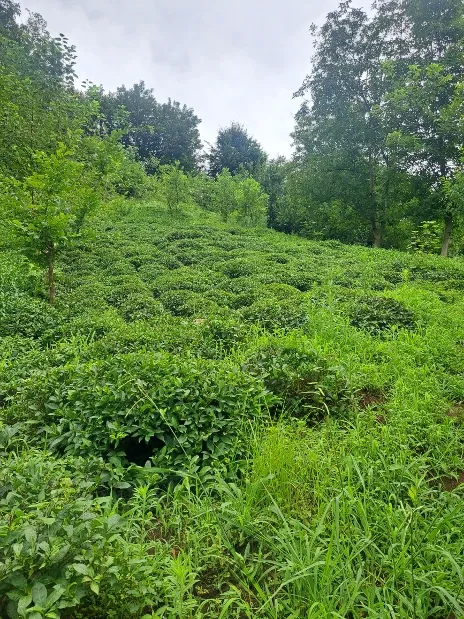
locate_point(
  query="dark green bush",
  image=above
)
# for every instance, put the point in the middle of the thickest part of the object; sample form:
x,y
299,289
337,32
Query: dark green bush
x,y
303,381
182,302
23,315
186,278
300,280
380,314
239,268
120,288
189,406
221,334
93,324
272,314
63,547
281,291
140,306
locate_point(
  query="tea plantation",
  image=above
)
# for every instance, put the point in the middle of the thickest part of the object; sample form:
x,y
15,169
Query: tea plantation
x,y
219,422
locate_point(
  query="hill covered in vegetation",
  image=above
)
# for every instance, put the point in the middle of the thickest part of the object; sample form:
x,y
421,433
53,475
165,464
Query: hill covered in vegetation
x,y
216,421
201,416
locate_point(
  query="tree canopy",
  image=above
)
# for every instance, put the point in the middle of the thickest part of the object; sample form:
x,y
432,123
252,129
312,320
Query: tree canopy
x,y
235,150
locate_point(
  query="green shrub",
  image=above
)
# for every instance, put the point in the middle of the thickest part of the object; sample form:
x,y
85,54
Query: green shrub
x,y
299,280
18,274
379,315
120,288
239,267
221,334
186,278
140,306
93,324
189,406
272,314
23,315
182,302
62,548
303,381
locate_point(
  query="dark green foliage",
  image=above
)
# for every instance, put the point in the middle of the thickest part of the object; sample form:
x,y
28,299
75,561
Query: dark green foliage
x,y
64,547
192,407
184,302
379,314
235,151
221,334
196,430
239,268
181,367
23,315
272,315
139,306
160,132
303,381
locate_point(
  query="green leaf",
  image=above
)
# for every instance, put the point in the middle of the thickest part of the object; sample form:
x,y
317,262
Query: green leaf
x,y
23,603
17,580
121,485
30,534
114,520
39,594
81,568
95,587
55,595
60,554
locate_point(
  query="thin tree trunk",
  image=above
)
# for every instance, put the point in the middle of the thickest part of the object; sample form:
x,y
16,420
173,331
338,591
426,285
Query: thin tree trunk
x,y
51,273
447,235
377,232
376,226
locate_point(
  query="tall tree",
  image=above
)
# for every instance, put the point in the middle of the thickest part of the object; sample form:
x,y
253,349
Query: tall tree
x,y
346,88
167,132
235,151
38,105
425,105
273,179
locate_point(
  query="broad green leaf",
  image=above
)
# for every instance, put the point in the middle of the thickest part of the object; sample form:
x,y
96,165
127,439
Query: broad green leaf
x,y
39,594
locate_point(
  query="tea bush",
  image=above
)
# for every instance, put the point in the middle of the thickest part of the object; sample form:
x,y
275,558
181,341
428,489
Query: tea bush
x,y
62,547
21,314
140,306
379,314
272,314
192,407
303,381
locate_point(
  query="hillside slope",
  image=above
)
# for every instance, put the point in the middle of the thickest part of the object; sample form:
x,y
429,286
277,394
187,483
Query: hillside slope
x,y
222,422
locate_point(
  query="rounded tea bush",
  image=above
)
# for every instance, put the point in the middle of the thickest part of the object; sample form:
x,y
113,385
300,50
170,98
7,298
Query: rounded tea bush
x,y
181,406
379,315
221,334
140,306
272,314
302,381
186,303
23,315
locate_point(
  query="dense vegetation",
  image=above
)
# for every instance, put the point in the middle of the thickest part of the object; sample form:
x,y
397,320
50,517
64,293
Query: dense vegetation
x,y
202,417
220,422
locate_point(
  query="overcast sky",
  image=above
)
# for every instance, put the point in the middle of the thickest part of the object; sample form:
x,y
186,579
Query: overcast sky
x,y
231,60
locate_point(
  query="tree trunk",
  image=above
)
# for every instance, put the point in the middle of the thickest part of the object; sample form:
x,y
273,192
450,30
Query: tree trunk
x,y
377,232
447,235
376,227
51,273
